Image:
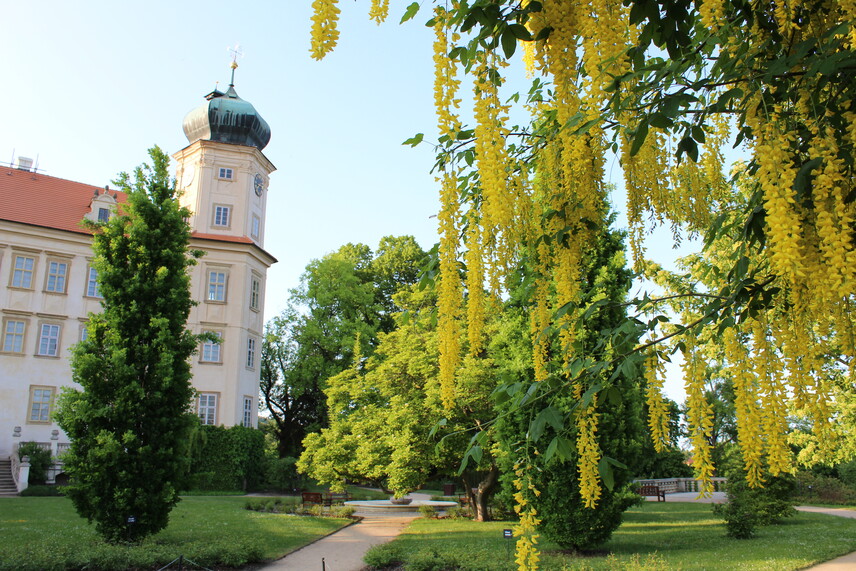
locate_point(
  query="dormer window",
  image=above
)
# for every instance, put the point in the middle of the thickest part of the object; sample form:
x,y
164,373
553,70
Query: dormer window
x,y
102,206
225,173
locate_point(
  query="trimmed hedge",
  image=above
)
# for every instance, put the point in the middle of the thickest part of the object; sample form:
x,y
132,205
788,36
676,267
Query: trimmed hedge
x,y
228,459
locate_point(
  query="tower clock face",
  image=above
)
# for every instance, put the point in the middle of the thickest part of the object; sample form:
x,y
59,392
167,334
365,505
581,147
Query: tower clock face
x,y
258,184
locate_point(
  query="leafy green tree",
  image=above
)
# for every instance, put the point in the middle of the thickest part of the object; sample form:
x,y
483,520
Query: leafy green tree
x,y
130,423
342,297
386,415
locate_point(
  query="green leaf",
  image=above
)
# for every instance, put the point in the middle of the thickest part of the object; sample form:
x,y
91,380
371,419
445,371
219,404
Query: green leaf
x,y
442,422
639,137
414,140
509,43
520,32
587,397
551,449
410,12
604,469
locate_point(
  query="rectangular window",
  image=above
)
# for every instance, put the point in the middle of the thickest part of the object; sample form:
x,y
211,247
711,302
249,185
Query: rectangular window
x,y
225,173
207,408
22,275
41,400
255,293
257,224
13,336
103,214
92,283
251,353
49,340
221,215
248,412
57,273
216,285
211,349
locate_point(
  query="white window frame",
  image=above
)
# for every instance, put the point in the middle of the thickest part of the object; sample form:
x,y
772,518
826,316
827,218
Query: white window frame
x,y
206,408
225,173
92,289
11,334
256,227
247,420
56,280
103,214
22,271
255,293
216,287
40,404
212,352
251,353
222,216
50,335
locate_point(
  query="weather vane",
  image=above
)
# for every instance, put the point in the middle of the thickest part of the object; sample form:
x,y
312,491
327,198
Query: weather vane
x,y
236,51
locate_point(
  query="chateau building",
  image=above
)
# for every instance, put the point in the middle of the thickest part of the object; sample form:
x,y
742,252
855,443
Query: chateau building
x,y
48,286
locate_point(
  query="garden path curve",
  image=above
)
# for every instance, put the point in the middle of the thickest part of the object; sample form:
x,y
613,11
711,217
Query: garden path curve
x,y
344,550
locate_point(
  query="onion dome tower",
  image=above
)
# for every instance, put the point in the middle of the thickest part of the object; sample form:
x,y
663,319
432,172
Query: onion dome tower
x,y
223,177
227,118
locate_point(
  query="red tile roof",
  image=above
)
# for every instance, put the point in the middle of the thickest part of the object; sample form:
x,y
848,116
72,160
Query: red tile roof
x,y
222,238
50,202
46,201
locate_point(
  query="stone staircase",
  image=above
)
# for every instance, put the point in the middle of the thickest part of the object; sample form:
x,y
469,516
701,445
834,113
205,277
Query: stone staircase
x,y
7,484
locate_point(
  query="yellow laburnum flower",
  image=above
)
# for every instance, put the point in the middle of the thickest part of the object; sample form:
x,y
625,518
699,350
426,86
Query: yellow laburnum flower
x,y
379,10
324,34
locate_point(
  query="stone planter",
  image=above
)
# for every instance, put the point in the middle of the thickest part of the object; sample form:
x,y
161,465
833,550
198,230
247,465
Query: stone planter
x,y
400,501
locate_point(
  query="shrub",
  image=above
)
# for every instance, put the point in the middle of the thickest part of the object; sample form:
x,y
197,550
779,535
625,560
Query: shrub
x,y
316,510
281,473
228,458
748,508
383,556
42,491
847,473
428,511
823,489
432,561
40,461
564,518
341,511
457,512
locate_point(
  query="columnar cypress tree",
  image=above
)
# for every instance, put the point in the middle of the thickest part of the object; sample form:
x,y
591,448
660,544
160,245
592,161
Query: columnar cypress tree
x,y
129,425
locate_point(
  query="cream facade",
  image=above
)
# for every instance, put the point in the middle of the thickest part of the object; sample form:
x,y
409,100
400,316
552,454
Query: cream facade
x,y
48,287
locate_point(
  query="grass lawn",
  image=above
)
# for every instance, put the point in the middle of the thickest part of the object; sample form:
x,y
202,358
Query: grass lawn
x,y
46,534
655,536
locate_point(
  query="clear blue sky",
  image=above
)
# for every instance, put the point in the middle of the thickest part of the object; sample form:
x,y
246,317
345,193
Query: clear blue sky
x,y
89,86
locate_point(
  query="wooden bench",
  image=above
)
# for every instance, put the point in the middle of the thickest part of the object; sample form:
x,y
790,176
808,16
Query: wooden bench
x,y
336,498
312,498
653,490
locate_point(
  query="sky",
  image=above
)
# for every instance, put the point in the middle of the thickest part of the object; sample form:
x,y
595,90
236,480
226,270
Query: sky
x,y
89,86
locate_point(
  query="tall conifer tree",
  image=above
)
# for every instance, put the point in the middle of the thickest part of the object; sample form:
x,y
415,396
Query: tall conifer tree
x,y
130,423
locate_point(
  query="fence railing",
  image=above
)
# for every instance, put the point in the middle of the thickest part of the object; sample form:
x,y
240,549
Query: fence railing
x,y
676,485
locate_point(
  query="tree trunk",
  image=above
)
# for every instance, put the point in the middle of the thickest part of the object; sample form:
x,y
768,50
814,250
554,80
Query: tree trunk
x,y
480,494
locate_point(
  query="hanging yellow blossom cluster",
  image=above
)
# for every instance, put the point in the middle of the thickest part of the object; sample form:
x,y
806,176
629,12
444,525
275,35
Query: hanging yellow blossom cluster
x,y
526,553
325,33
545,207
379,10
